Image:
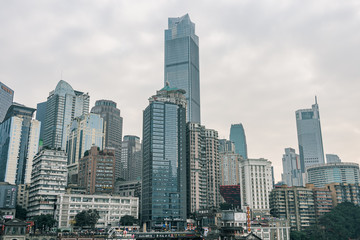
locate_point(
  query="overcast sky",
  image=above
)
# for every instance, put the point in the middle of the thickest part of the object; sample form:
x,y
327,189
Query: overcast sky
x,y
260,61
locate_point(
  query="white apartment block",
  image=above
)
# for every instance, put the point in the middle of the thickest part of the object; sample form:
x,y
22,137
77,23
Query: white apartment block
x,y
110,208
255,185
48,179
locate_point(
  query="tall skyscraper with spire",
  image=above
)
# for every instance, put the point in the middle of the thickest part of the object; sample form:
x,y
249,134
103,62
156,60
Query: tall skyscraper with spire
x,y
237,136
182,62
309,136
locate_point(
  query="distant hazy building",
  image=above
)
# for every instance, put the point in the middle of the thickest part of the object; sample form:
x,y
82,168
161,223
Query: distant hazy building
x,y
309,136
40,116
48,180
8,193
292,174
6,99
323,174
237,136
332,158
131,158
164,160
62,106
19,140
226,146
255,185
113,124
83,133
96,171
182,62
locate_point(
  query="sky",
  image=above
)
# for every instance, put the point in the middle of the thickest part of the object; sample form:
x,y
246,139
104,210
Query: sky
x,y
260,61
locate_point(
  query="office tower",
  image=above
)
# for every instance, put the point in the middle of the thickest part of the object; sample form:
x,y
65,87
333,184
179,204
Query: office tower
x,y
48,180
182,62
164,160
203,167
294,203
6,99
40,116
322,174
292,174
83,133
344,192
8,194
96,170
237,136
309,136
113,125
131,157
256,185
19,140
332,158
62,106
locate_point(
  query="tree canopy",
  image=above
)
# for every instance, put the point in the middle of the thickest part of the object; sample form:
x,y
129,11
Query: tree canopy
x,y
128,220
20,212
87,218
44,222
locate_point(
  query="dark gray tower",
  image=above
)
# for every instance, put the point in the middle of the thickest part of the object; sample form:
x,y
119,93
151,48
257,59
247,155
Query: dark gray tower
x,y
6,99
113,124
131,158
182,62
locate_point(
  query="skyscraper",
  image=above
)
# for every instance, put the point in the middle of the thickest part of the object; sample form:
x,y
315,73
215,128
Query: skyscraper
x,y
40,116
113,124
237,136
292,174
332,158
62,106
131,157
182,62
6,99
309,136
164,160
19,139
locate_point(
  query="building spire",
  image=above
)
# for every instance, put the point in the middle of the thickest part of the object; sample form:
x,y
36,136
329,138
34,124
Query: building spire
x,y
315,99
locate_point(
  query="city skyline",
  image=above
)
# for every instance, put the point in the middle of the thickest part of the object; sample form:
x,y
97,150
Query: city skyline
x,y
256,70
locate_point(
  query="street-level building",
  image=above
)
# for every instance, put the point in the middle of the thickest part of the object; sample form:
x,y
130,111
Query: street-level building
x,y
8,193
110,208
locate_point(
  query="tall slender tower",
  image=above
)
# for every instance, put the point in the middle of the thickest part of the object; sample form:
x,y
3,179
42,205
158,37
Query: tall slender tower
x,y
309,136
182,62
237,136
62,106
113,124
131,158
164,160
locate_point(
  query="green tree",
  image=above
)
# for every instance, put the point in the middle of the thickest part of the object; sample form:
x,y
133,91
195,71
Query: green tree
x,y
20,212
128,220
44,222
87,218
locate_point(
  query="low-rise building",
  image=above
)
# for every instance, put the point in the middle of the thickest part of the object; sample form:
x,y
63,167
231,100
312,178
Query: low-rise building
x,y
271,228
110,208
8,193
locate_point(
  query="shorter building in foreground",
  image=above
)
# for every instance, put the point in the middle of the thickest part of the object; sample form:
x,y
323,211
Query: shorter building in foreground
x,y
8,193
128,188
341,172
271,228
23,195
343,192
110,208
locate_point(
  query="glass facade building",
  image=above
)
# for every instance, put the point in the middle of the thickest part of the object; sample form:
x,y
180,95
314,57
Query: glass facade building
x,y
237,136
131,157
40,116
113,124
182,62
164,160
6,99
309,136
292,174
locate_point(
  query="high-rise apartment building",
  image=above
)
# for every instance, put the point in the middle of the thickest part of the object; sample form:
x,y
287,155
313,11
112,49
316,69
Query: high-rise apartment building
x,y
164,160
344,192
19,140
40,116
182,62
322,174
48,180
332,158
62,106
237,136
309,136
256,184
6,99
292,174
83,133
96,170
229,163
23,195
113,124
131,158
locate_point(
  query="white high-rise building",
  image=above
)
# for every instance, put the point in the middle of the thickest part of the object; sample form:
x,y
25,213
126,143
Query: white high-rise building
x,y
309,136
292,174
62,106
48,180
19,141
255,185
